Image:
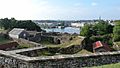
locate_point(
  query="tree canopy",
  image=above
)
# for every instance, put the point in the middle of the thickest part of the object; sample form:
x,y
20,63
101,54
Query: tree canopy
x,y
116,31
13,23
100,28
85,31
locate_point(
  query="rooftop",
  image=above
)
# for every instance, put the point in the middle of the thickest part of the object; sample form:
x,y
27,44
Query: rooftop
x,y
16,31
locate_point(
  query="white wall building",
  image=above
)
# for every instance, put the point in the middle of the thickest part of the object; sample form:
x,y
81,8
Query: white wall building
x,y
18,33
77,24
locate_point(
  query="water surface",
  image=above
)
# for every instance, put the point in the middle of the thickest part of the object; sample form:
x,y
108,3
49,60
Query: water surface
x,y
70,30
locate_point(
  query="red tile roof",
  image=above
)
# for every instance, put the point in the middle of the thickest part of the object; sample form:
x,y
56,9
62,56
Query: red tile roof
x,y
97,44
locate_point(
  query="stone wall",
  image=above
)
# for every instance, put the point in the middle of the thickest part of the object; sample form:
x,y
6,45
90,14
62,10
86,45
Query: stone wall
x,y
24,41
72,49
12,60
76,62
9,62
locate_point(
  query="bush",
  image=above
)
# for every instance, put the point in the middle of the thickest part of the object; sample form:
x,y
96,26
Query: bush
x,y
116,38
88,42
116,31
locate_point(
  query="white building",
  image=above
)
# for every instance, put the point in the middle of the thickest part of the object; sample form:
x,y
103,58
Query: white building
x,y
18,33
77,24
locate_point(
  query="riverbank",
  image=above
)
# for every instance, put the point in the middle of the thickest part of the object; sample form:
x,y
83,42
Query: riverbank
x,y
70,30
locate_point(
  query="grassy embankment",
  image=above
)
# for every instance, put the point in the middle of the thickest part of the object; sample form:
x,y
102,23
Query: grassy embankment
x,y
75,41
4,40
117,65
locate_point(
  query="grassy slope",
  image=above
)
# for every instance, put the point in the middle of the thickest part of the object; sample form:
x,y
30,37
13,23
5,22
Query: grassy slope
x,y
3,40
83,52
117,65
75,41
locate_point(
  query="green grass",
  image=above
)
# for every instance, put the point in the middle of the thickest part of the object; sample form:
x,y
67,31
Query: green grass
x,y
4,40
23,45
83,51
45,53
74,41
117,65
1,30
118,43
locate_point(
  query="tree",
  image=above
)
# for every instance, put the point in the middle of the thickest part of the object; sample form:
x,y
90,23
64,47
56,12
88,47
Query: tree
x,y
102,28
5,23
86,30
28,24
12,23
116,31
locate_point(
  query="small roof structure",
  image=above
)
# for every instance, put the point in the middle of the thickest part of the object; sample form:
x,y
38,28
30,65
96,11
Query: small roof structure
x,y
99,44
16,31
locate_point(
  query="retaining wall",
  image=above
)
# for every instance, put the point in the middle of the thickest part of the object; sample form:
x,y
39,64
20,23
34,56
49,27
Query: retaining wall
x,y
11,60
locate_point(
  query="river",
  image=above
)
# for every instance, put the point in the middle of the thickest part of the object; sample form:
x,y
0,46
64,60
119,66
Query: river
x,y
70,30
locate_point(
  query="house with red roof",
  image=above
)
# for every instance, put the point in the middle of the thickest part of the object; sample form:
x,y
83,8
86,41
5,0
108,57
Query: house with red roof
x,y
101,47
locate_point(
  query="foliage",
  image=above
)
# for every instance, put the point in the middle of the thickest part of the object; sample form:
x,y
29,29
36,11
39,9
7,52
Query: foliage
x,y
12,23
100,28
88,42
4,40
101,31
116,31
104,38
85,31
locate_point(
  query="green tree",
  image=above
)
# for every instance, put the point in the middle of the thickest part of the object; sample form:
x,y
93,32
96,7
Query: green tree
x,y
86,31
5,23
116,31
12,23
102,28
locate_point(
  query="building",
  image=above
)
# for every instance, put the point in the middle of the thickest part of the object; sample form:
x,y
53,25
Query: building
x,y
17,33
46,24
101,47
77,24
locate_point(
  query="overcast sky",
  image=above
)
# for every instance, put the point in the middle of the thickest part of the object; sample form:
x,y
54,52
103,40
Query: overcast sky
x,y
60,9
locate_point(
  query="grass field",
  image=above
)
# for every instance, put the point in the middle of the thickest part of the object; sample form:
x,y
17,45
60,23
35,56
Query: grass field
x,y
75,41
83,52
4,40
117,65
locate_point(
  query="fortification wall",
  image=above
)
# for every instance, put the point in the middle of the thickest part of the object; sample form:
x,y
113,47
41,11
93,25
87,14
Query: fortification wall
x,y
8,60
76,62
58,61
24,41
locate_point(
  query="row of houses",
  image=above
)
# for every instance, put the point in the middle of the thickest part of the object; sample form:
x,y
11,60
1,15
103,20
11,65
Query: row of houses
x,y
80,23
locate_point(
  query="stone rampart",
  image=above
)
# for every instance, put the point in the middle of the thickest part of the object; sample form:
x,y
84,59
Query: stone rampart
x,y
12,60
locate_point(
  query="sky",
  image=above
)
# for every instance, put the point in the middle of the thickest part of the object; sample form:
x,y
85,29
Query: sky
x,y
60,9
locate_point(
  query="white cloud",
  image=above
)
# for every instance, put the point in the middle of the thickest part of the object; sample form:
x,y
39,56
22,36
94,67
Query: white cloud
x,y
77,4
41,9
94,4
23,9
